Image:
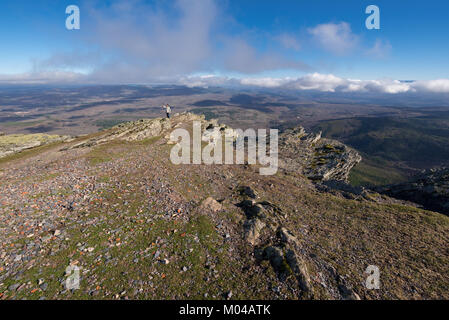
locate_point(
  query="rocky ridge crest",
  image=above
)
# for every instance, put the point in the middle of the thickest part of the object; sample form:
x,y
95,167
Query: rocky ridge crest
x,y
317,158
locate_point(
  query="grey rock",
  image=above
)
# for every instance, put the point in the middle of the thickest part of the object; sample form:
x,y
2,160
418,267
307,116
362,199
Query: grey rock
x,y
317,158
346,291
286,236
300,270
14,287
275,256
252,229
211,204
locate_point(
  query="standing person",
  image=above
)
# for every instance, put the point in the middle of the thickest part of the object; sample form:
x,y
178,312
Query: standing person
x,y
167,110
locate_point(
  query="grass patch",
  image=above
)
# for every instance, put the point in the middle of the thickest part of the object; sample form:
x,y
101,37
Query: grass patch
x,y
367,173
104,153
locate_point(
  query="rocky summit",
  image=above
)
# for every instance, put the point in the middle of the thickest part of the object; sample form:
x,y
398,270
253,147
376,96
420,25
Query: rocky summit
x,y
113,207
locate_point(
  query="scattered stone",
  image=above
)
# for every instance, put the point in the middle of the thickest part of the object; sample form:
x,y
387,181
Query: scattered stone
x,y
14,287
211,204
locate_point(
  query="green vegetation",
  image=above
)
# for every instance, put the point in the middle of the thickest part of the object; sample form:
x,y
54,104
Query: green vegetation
x,y
368,173
105,152
21,124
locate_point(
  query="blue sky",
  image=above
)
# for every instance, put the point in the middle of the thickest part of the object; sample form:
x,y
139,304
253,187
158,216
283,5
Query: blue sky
x,y
145,41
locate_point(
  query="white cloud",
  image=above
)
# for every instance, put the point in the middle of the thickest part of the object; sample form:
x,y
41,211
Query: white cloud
x,y
289,41
332,83
387,86
264,82
206,81
327,83
335,37
381,49
319,82
438,85
133,42
150,43
309,82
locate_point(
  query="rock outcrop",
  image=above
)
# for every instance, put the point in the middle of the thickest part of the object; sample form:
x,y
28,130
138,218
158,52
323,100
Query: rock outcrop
x,y
129,131
317,158
14,143
149,128
309,154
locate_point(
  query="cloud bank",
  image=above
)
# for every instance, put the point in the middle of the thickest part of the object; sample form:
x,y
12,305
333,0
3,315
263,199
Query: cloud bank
x,y
309,82
325,83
